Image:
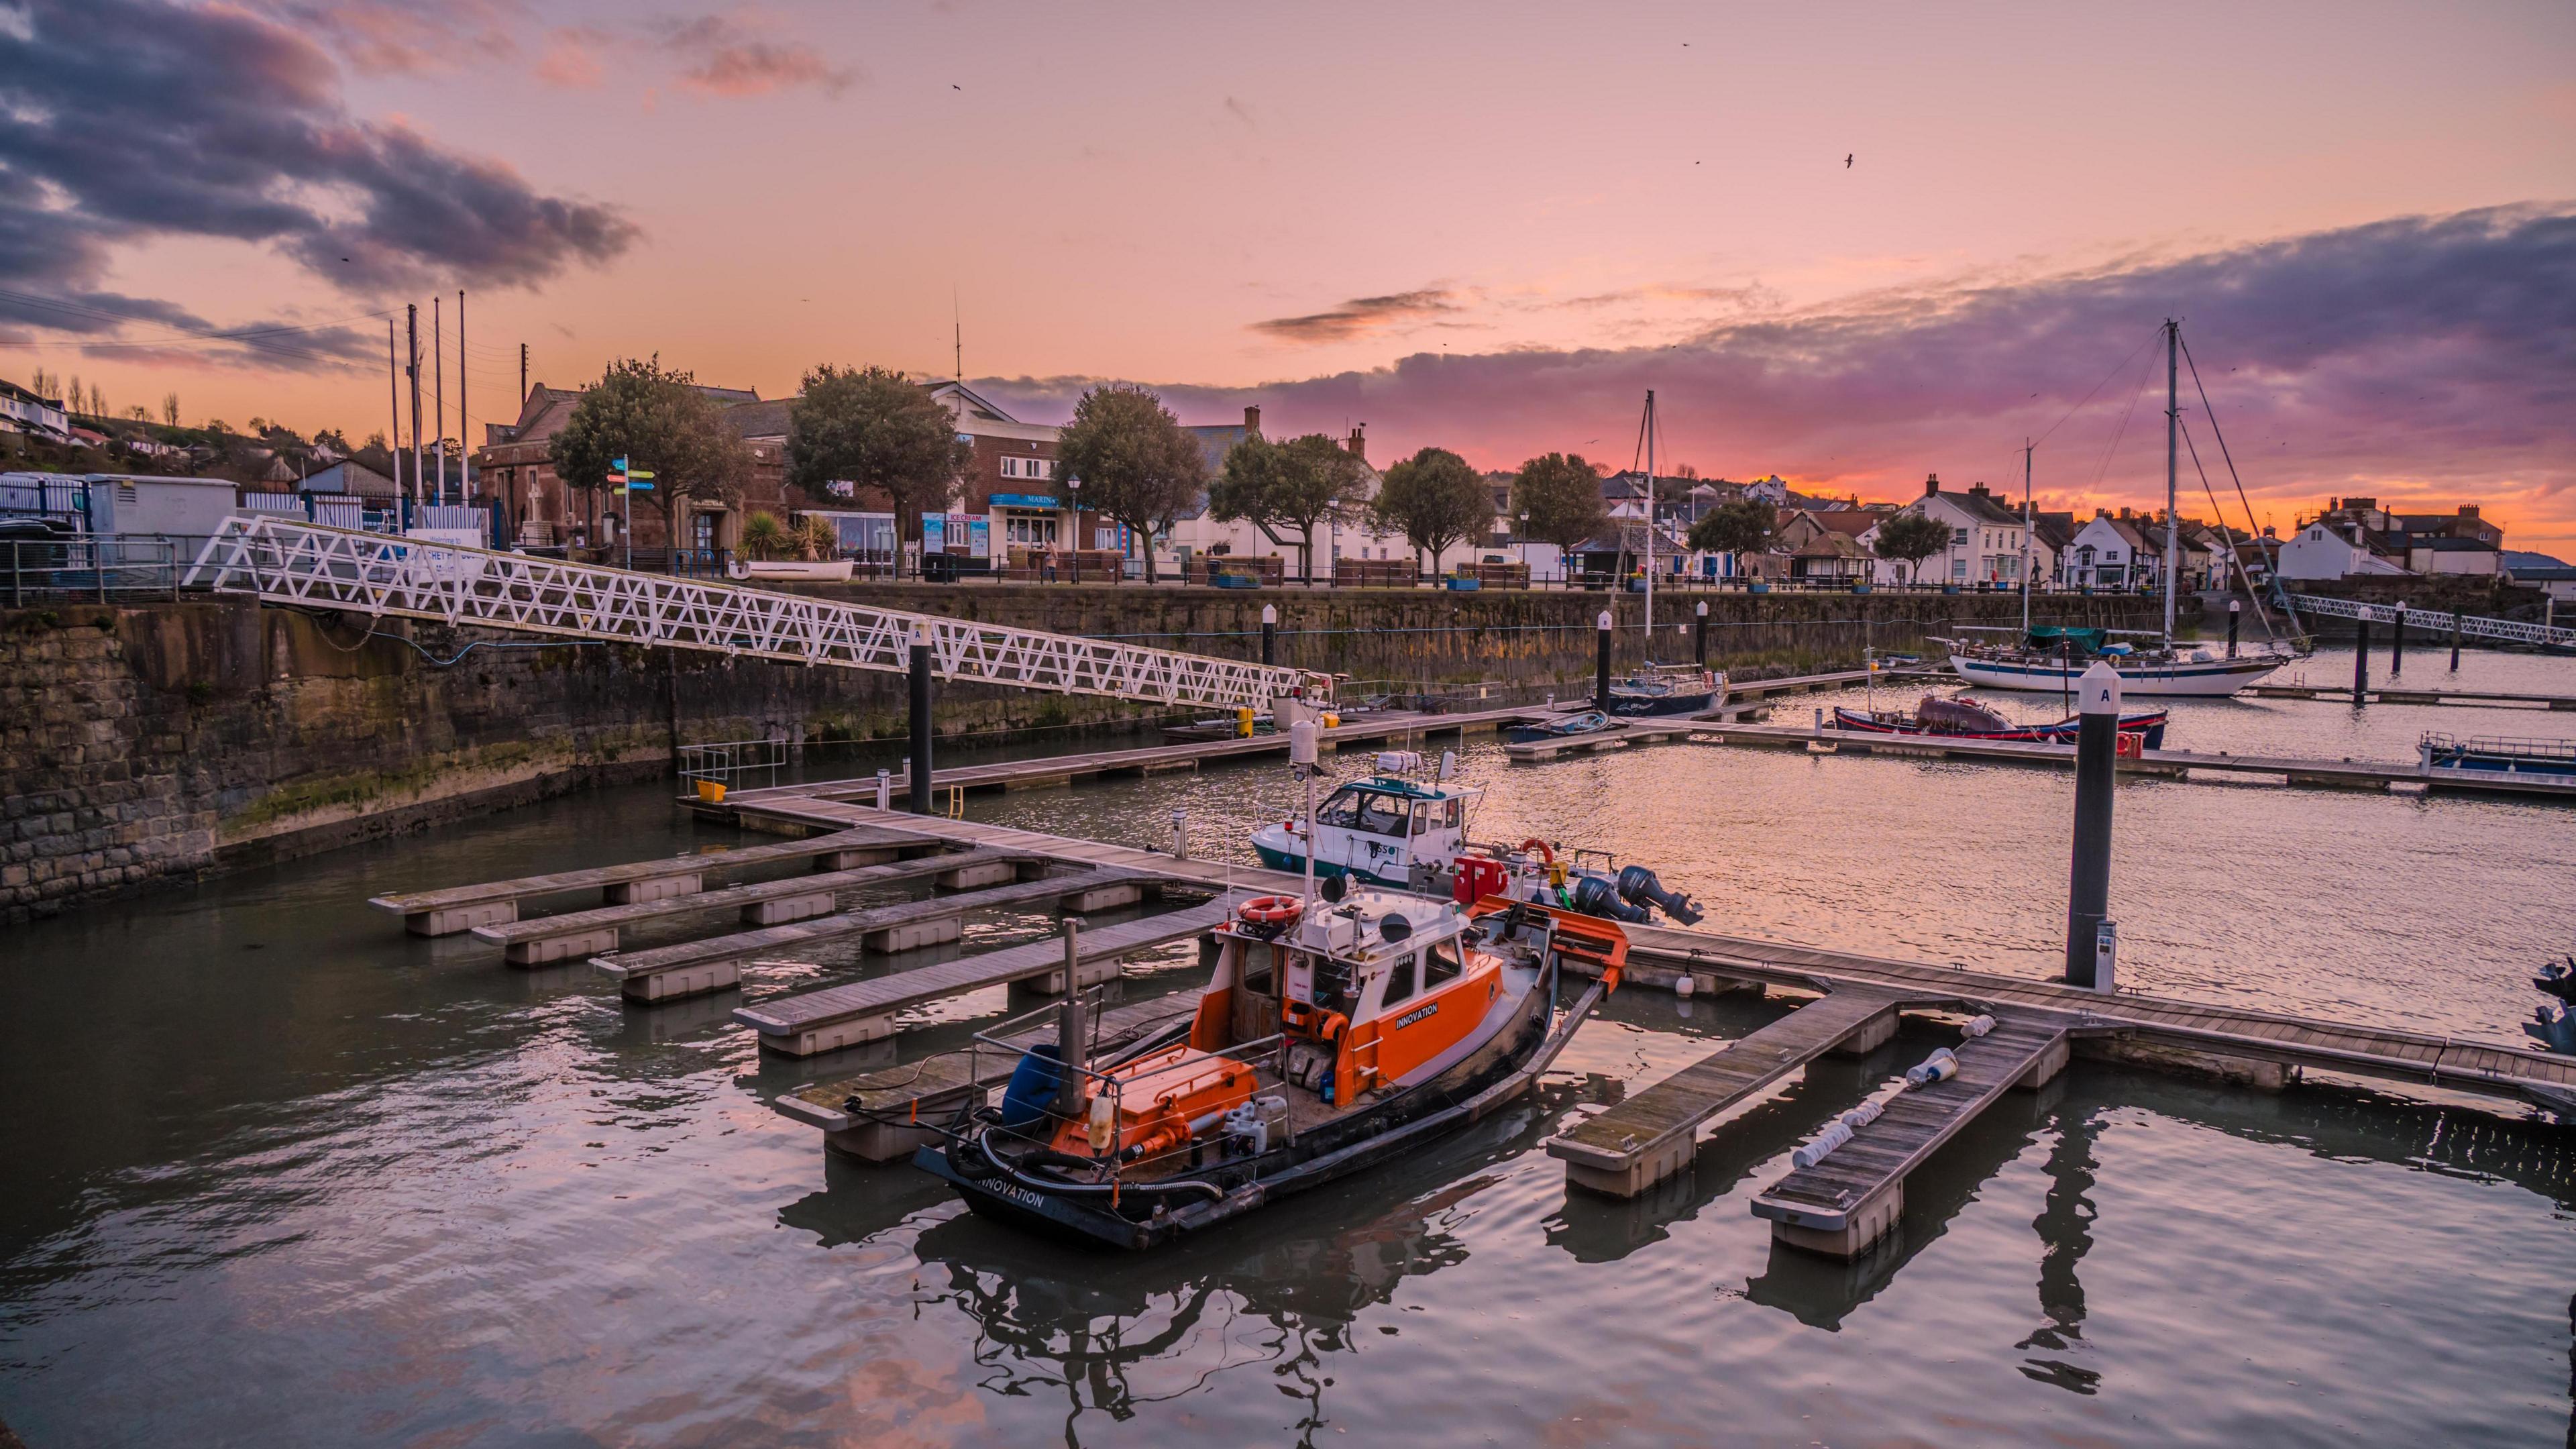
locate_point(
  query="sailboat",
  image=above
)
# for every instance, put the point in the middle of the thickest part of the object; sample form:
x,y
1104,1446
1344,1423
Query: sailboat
x,y
2052,659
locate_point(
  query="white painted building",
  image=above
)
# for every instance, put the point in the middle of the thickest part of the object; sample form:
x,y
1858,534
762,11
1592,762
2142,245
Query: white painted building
x,y
21,411
1985,539
2323,551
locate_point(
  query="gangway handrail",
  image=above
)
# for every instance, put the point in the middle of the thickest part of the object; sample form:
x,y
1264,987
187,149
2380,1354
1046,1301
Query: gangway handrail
x,y
289,561
2476,626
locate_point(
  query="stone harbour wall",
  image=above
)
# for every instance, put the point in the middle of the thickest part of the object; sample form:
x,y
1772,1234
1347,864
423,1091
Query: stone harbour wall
x,y
163,741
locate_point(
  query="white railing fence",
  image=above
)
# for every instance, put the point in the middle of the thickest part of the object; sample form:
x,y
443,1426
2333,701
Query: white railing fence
x,y
2472,626
285,561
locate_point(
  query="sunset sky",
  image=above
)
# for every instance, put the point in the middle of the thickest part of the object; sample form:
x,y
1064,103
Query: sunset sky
x,y
1485,227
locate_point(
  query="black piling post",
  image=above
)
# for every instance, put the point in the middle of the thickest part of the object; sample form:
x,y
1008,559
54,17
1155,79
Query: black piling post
x,y
1702,645
2235,613
2455,641
1601,668
2361,661
2088,886
2397,642
1269,634
921,719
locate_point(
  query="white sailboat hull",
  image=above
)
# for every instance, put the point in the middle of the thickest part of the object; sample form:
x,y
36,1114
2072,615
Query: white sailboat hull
x,y
2209,679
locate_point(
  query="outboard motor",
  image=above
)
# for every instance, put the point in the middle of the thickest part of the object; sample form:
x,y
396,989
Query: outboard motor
x,y
1638,884
2558,978
2553,1028
1594,895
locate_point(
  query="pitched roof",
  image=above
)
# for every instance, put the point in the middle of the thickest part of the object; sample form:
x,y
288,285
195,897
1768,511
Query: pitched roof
x,y
1850,522
1983,507
759,419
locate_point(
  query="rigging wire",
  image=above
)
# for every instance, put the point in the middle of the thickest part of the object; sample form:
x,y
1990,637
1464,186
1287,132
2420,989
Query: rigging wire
x,y
2252,526
2233,562
2116,369
2104,468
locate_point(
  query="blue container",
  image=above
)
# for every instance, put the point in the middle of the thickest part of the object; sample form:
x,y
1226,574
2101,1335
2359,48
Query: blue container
x,y
1033,1083
1234,581
1465,586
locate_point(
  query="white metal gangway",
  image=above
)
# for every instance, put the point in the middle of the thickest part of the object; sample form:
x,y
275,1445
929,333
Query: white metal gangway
x,y
2437,621
289,561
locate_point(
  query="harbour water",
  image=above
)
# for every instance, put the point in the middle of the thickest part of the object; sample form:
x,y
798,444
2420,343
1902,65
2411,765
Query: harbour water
x,y
279,1175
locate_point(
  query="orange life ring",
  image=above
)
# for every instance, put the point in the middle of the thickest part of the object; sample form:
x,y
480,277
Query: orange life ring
x,y
1271,910
1545,854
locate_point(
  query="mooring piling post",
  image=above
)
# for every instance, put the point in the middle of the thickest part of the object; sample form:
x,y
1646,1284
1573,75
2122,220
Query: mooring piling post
x,y
1180,835
921,719
1601,666
2235,615
1073,1033
2088,886
885,790
2397,642
2455,641
2361,659
1702,645
1269,633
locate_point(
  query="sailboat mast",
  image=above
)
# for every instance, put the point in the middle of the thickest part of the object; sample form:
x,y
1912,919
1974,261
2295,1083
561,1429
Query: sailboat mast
x,y
2025,535
1650,526
2173,463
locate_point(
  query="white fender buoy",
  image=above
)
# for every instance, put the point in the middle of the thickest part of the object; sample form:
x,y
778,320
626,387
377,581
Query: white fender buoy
x,y
1941,1066
1834,1135
1977,1026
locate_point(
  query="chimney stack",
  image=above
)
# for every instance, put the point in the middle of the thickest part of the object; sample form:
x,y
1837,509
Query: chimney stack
x,y
2468,510
1931,485
1359,443
1252,420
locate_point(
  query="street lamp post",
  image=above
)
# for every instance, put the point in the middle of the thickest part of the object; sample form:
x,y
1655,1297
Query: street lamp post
x,y
1073,526
1520,535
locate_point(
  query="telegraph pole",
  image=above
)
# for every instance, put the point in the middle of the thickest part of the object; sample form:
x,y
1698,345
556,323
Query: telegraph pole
x,y
393,397
523,374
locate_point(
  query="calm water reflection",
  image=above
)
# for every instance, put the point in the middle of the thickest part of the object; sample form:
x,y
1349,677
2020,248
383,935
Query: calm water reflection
x,y
276,1174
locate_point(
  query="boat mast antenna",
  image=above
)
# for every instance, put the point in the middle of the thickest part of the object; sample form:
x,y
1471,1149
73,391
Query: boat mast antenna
x,y
1648,426
2026,446
2173,459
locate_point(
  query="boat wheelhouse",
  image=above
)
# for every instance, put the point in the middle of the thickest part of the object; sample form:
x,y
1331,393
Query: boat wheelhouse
x,y
1386,830
1667,689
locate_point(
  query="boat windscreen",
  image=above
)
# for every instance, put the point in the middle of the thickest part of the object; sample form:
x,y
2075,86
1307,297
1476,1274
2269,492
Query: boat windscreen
x,y
2047,638
1365,811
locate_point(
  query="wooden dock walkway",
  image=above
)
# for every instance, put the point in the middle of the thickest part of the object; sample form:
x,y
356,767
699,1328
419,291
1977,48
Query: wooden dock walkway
x,y
537,940
1653,1134
1853,1197
812,1022
877,1116
2396,692
2170,764
2254,1049
462,908
691,968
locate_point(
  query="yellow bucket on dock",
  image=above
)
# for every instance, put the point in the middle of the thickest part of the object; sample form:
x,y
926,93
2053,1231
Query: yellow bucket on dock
x,y
711,792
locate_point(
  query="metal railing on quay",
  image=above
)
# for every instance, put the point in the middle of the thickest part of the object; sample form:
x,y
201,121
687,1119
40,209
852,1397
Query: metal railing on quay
x,y
729,764
94,568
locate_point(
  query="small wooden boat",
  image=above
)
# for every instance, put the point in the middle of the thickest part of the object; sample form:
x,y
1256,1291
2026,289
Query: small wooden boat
x,y
1589,722
1959,719
1335,1035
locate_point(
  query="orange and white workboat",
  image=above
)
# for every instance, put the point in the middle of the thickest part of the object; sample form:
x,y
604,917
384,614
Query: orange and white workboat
x,y
1335,1033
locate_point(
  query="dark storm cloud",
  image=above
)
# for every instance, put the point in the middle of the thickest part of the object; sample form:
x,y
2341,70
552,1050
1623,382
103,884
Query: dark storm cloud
x,y
2440,349
124,121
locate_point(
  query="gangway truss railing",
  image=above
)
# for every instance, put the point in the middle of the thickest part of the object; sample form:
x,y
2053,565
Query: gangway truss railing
x,y
2472,626
292,562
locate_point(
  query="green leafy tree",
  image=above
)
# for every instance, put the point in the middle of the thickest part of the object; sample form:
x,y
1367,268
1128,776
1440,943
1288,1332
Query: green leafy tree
x,y
1560,496
1910,538
1736,528
658,421
1434,499
872,427
1302,484
1136,464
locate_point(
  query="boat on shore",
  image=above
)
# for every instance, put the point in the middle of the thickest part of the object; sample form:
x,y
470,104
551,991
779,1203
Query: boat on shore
x,y
1333,1036
1954,718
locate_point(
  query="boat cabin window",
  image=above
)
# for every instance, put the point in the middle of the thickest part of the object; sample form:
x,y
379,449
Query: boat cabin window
x,y
1259,959
1399,983
1453,812
1440,964
1421,816
1362,810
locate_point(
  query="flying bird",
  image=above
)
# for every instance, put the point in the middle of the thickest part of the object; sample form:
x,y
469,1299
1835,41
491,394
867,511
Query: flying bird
x,y
954,86
1847,160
